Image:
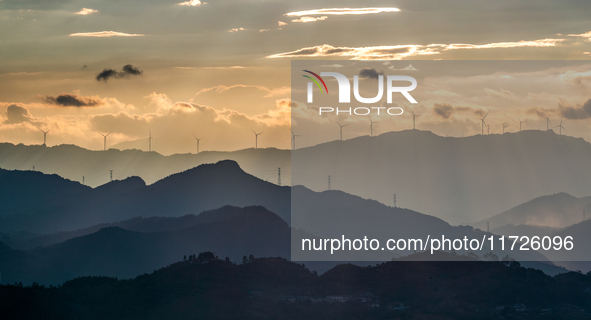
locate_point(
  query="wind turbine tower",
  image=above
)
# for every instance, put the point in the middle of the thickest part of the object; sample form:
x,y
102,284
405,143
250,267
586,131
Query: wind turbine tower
x,y
548,123
198,139
105,140
520,122
414,117
293,139
504,126
256,138
371,122
342,125
150,141
484,123
44,136
560,127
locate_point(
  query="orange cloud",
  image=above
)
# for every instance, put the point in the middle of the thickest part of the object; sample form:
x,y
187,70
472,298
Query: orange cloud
x,y
342,11
105,34
398,52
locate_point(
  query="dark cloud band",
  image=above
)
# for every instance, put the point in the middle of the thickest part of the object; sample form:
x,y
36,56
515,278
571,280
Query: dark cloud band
x,y
70,100
126,71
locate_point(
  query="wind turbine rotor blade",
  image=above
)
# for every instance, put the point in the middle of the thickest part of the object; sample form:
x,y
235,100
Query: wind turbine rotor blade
x,y
486,115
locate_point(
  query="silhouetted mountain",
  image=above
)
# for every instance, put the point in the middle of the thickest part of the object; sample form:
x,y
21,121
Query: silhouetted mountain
x,y
4,247
113,251
460,180
215,185
26,241
579,257
335,215
272,288
124,186
206,187
73,162
554,211
24,191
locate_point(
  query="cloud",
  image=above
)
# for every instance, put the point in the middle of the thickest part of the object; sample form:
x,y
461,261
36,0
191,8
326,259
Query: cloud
x,y
229,67
582,35
270,92
128,70
191,3
539,112
15,114
370,73
71,100
309,19
444,93
105,34
502,93
236,29
225,129
381,52
446,111
579,78
443,110
86,11
398,52
281,23
264,30
576,113
341,11
23,73
514,44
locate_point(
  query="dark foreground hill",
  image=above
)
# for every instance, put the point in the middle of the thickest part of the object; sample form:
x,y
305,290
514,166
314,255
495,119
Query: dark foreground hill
x,y
229,231
273,288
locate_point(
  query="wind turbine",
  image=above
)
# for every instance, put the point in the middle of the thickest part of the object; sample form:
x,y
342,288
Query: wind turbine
x,y
44,136
150,141
548,123
105,140
504,126
484,123
256,138
342,125
198,139
560,127
414,116
293,139
520,122
371,122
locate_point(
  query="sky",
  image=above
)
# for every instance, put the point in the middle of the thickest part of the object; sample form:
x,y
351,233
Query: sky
x,y
220,69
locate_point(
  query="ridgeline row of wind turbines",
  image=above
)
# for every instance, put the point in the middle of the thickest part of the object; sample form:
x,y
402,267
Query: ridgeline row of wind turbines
x,y
341,126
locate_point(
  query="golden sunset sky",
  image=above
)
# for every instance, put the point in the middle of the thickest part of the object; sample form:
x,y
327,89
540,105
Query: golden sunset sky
x,y
219,69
